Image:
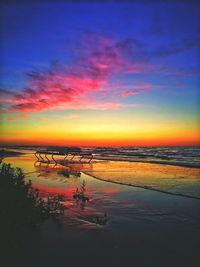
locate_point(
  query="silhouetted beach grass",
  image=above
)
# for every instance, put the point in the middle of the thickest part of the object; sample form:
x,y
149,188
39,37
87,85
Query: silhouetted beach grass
x,y
21,206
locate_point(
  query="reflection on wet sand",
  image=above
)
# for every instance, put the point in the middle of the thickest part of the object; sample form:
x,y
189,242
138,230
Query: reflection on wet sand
x,y
61,172
75,190
66,177
178,180
116,219
77,167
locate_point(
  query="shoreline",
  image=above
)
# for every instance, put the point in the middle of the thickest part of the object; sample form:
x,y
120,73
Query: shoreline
x,y
114,158
142,187
11,153
189,165
129,160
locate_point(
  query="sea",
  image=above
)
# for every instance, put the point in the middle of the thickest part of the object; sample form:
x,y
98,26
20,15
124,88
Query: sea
x,y
176,155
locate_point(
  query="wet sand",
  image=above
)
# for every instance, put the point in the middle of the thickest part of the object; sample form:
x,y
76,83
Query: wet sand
x,y
145,227
170,179
10,153
145,160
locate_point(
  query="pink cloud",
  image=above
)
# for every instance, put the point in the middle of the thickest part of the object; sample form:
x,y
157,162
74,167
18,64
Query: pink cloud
x,y
11,119
18,116
91,105
135,90
66,87
103,106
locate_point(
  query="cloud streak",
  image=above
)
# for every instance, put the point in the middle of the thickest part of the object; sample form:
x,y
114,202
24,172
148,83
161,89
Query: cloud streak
x,y
135,90
97,60
177,48
64,86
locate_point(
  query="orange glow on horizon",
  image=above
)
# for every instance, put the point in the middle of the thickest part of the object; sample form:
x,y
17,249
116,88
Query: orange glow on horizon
x,y
104,132
193,140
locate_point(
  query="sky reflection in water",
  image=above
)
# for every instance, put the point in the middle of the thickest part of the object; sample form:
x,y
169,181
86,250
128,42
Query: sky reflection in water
x,y
138,219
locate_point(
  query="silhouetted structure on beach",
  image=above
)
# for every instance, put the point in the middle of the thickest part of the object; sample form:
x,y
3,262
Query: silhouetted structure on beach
x,y
68,153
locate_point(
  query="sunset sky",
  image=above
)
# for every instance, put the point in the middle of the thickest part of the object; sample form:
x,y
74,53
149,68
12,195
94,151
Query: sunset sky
x,y
100,73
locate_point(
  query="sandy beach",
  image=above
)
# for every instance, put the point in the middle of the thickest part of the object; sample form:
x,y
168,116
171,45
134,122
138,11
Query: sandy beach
x,y
142,218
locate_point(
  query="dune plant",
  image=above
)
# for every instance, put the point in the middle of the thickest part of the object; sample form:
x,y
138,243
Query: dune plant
x,y
80,194
20,203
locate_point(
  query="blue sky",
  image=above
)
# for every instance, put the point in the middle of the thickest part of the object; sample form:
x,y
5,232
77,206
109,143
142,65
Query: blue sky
x,y
142,54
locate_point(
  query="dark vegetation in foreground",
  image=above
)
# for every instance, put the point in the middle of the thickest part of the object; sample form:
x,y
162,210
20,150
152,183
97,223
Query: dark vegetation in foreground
x,y
80,194
21,206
